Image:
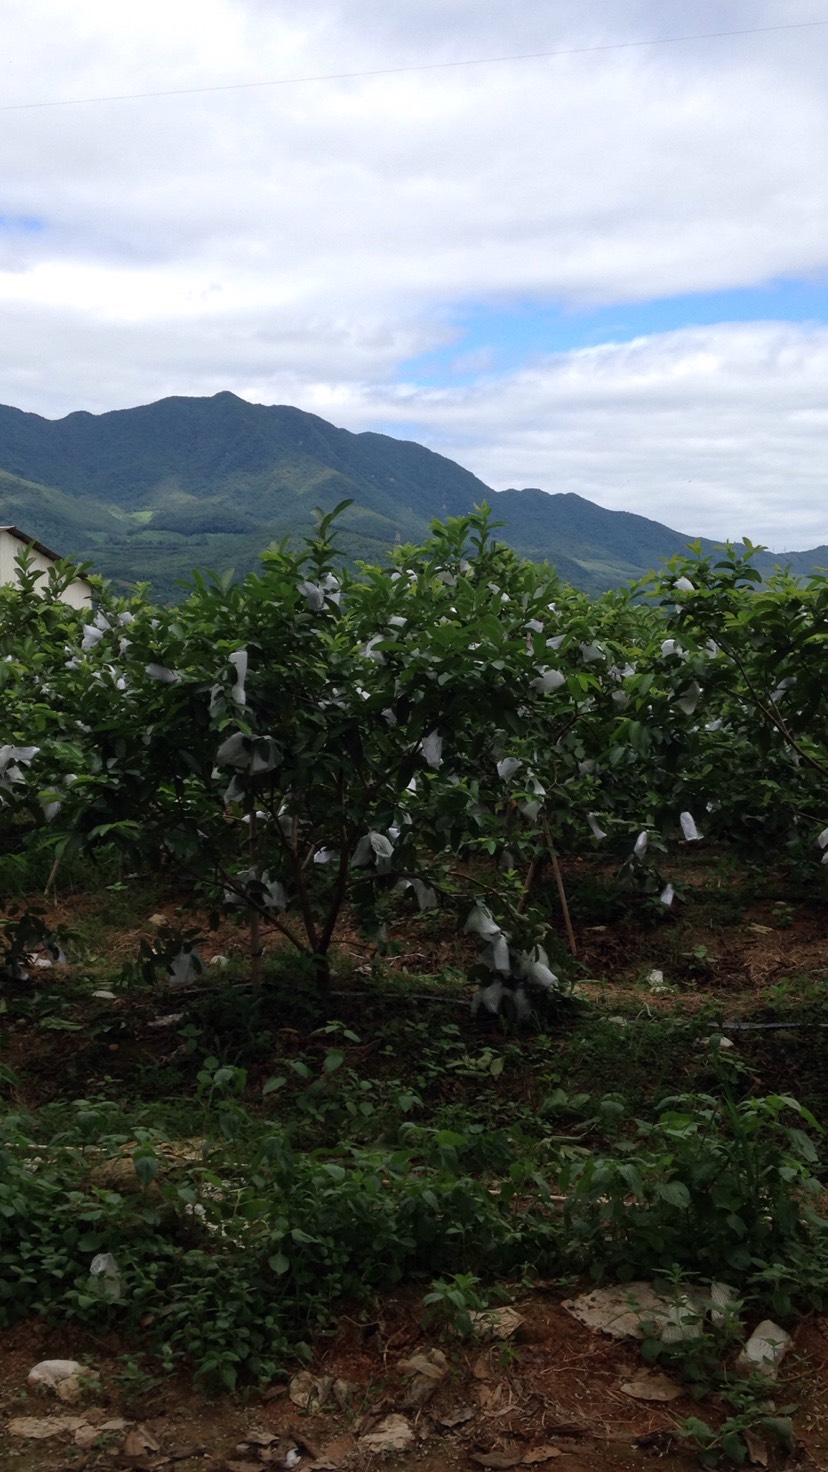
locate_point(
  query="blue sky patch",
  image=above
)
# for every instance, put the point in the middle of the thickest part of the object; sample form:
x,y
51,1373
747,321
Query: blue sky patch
x,y
22,224
500,339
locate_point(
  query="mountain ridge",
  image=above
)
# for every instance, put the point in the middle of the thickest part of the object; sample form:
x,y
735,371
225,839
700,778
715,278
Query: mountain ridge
x,y
151,492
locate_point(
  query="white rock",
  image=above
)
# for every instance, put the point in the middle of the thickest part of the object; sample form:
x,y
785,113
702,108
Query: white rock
x,y
765,1350
70,1390
48,1373
105,1270
308,1391
424,1373
618,1311
723,1300
393,1434
636,1310
682,1321
496,1323
42,1428
168,1021
649,1385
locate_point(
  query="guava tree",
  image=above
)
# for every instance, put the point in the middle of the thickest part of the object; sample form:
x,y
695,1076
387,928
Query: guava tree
x,y
307,735
43,739
761,652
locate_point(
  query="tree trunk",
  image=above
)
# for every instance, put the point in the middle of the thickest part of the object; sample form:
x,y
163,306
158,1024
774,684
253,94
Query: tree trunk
x,y
255,922
322,973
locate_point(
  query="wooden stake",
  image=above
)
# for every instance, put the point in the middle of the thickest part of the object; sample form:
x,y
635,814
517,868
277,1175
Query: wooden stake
x,y
570,933
51,881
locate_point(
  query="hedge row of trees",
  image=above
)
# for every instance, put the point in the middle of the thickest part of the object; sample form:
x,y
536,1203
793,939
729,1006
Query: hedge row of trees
x,y
315,738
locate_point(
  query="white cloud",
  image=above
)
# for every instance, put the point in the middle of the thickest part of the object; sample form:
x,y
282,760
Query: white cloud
x,y
299,243
621,174
719,431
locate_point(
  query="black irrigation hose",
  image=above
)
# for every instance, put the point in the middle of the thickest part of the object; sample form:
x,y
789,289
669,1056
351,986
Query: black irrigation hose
x,y
193,993
455,1001
737,1026
772,1026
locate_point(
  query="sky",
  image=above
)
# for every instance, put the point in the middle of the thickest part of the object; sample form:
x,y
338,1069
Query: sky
x,y
554,242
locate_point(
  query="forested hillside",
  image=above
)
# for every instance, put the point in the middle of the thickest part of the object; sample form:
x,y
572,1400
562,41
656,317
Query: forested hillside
x,y
148,494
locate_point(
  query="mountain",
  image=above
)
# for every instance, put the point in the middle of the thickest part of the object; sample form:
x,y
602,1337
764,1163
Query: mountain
x,y
147,494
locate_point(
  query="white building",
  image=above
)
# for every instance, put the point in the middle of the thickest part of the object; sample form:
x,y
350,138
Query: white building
x,y
13,541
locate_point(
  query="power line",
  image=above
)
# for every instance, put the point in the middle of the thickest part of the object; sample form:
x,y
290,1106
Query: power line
x,y
396,71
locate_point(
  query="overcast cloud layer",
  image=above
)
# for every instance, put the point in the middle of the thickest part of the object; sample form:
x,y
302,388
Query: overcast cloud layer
x,y
329,244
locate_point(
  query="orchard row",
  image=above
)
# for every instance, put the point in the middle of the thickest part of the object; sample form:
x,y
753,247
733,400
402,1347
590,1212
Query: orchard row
x,y
316,740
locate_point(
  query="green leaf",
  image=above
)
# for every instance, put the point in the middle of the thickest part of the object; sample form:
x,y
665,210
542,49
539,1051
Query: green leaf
x,y
734,1448
699,1430
805,1147
782,1427
674,1193
276,1081
146,1168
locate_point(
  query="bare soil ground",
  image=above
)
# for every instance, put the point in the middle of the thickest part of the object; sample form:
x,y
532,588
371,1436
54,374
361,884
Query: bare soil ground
x,y
550,1398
